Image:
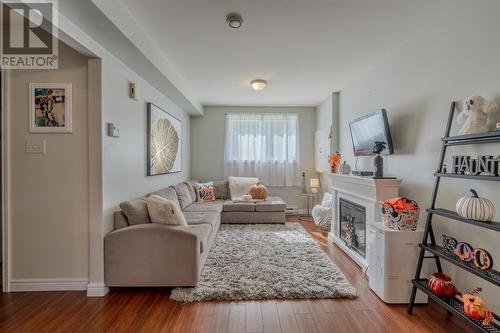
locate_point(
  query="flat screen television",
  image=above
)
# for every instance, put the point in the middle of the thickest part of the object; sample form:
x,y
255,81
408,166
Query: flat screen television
x,y
370,134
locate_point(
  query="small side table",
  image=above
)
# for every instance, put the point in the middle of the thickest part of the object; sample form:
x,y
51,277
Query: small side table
x,y
310,200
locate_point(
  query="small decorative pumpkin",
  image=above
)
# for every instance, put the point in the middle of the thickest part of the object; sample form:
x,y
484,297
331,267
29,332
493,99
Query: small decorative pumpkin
x,y
441,285
476,208
258,191
246,197
475,308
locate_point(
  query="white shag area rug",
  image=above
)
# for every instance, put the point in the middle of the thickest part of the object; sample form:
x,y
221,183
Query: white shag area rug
x,y
265,261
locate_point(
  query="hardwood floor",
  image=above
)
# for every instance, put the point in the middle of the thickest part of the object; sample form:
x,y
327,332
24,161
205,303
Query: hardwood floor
x,y
151,310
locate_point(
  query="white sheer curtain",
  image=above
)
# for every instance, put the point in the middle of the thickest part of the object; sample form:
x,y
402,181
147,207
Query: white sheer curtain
x,y
264,146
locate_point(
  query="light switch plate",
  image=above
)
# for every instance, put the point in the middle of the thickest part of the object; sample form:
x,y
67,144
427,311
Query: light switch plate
x,y
35,146
113,130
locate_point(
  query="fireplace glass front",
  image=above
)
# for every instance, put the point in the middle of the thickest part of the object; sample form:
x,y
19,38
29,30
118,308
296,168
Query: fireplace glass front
x,y
352,226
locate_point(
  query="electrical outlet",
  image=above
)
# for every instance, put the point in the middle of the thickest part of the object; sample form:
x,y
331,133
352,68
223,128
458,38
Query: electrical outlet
x,y
35,146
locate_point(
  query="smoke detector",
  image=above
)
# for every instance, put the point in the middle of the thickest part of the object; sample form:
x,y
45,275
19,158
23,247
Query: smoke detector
x,y
234,20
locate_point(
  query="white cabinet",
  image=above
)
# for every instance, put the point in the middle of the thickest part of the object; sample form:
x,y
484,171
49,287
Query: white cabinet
x,y
392,258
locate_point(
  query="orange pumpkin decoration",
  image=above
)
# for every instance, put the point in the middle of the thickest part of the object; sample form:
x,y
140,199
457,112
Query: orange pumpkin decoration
x,y
258,191
441,285
475,308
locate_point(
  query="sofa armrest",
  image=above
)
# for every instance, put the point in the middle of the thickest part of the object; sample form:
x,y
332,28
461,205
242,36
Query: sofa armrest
x,y
152,254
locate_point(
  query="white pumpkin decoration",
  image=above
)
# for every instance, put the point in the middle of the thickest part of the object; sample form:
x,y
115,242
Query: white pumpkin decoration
x,y
476,208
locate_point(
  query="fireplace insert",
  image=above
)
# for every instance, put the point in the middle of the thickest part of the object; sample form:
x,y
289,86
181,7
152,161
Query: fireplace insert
x,y
352,226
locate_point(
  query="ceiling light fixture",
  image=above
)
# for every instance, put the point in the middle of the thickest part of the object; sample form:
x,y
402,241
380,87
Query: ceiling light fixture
x,y
258,84
234,20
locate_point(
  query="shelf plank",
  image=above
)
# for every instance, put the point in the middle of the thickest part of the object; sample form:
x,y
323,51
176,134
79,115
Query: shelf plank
x,y
488,275
456,175
493,136
452,215
455,306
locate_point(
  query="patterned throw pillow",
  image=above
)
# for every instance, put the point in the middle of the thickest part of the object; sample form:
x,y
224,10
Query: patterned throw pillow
x,y
206,191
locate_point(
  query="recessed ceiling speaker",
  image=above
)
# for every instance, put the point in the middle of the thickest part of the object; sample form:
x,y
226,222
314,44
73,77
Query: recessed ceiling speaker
x,y
234,20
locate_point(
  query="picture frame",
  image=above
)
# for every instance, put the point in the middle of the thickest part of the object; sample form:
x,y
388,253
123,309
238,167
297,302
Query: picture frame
x,y
164,142
50,108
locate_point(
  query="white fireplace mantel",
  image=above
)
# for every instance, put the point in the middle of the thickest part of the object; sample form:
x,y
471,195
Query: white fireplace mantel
x,y
366,192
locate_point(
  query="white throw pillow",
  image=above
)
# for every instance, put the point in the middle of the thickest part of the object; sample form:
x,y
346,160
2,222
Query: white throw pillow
x,y
239,186
327,200
165,211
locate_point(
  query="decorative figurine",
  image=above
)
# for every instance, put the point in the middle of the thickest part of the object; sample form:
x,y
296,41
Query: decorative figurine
x,y
474,115
445,168
345,168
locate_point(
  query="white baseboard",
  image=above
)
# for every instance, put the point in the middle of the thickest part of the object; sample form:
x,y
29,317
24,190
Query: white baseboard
x,y
47,284
96,290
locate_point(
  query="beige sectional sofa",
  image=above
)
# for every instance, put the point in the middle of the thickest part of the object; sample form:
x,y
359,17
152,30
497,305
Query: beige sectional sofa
x,y
140,253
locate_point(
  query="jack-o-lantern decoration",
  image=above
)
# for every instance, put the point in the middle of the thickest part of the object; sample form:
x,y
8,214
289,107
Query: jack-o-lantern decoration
x,y
441,285
258,192
475,308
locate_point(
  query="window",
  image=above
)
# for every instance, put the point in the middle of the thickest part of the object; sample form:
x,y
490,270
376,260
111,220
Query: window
x,y
264,146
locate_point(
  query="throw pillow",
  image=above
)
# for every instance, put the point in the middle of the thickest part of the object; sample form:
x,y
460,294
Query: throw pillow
x,y
221,189
136,211
183,195
327,200
168,193
206,191
165,211
192,189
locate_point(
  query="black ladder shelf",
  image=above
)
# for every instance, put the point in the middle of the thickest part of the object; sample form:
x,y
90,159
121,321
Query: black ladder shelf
x,y
451,304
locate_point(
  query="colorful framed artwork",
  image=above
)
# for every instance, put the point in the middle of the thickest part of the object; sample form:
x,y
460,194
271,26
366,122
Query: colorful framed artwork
x,y
164,142
50,108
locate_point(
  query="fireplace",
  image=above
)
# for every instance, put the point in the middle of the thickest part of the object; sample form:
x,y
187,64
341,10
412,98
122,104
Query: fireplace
x,y
352,226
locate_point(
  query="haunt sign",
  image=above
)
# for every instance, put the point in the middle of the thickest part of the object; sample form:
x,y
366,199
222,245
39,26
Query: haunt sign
x,y
482,165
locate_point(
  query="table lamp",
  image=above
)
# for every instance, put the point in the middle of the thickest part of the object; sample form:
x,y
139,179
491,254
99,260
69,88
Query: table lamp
x,y
314,184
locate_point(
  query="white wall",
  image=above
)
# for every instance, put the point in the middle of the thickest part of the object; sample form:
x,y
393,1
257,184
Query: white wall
x,y
327,116
48,193
207,151
324,113
124,158
457,56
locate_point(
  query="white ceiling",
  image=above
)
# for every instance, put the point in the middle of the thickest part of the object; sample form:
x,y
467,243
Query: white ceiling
x,y
305,49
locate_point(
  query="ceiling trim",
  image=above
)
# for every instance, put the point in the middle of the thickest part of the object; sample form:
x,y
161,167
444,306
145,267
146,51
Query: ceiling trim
x,y
95,24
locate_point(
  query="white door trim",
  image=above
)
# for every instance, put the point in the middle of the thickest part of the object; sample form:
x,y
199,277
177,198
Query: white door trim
x,y
4,171
96,285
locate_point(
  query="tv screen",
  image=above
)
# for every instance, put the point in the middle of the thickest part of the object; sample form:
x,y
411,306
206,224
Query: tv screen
x,y
371,133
